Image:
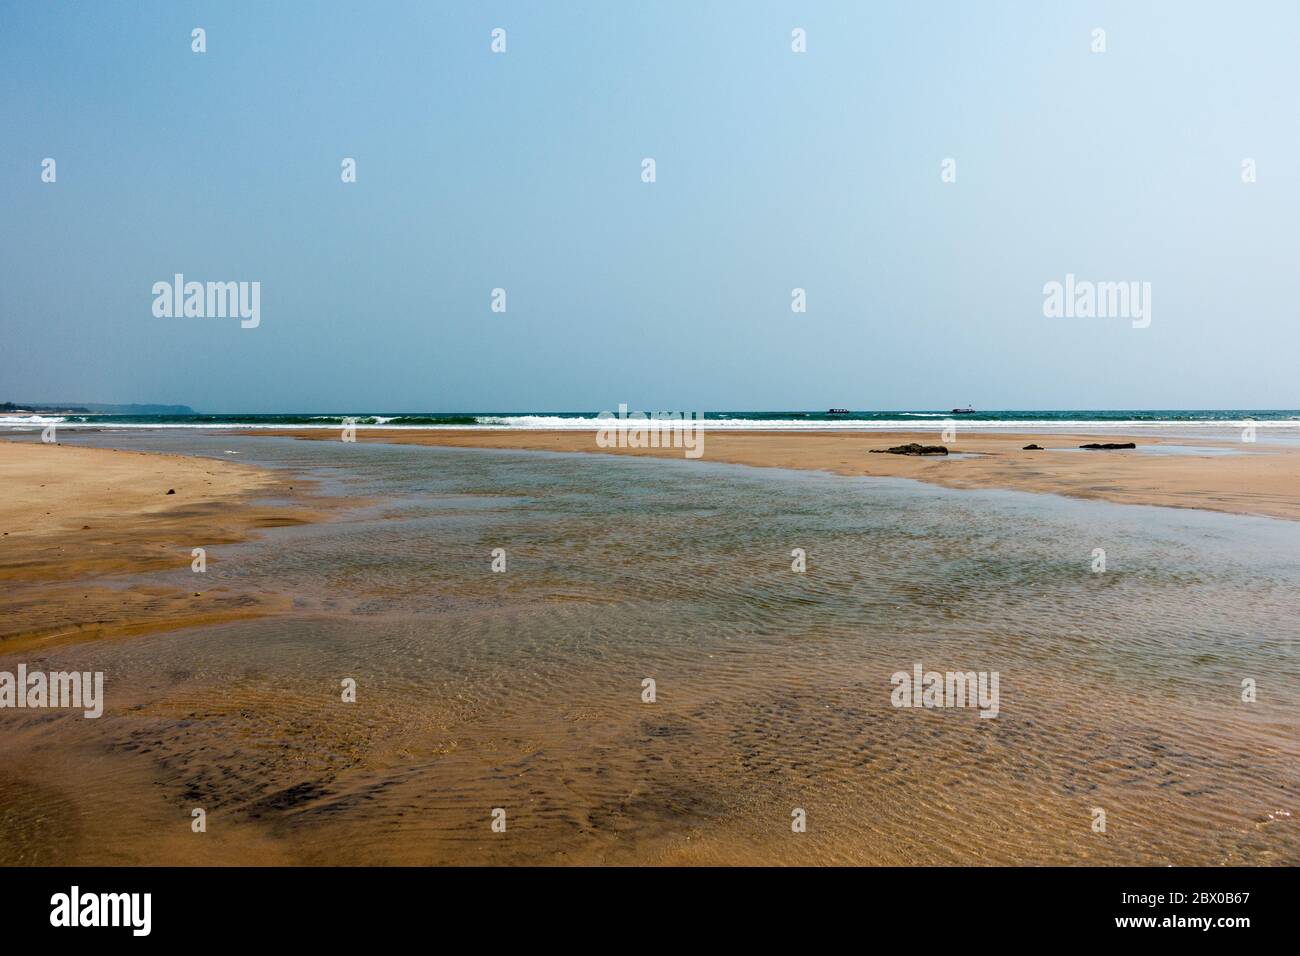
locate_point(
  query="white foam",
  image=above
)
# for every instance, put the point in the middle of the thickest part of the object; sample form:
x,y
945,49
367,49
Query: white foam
x,y
901,424
591,423
29,420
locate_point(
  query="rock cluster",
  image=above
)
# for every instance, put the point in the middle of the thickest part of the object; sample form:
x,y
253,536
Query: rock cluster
x,y
911,448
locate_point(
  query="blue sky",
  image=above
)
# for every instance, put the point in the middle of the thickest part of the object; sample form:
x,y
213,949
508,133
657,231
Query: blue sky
x,y
775,170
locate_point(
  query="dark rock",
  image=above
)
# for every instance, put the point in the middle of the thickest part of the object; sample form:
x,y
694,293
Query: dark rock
x,y
1032,447
911,448
1110,444
171,491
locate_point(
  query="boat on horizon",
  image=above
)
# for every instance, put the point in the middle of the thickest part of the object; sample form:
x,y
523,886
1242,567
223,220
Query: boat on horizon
x,y
963,411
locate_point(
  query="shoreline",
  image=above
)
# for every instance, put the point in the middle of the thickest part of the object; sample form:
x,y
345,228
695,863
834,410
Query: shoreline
x,y
79,525
1254,479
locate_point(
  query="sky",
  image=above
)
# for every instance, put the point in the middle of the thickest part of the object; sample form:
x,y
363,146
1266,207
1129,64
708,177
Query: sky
x,y
775,170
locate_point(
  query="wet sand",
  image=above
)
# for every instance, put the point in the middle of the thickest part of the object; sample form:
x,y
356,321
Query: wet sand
x,y
1261,480
523,690
74,521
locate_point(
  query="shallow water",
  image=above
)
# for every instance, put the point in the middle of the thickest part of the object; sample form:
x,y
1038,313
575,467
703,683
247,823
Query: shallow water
x,y
1169,449
522,690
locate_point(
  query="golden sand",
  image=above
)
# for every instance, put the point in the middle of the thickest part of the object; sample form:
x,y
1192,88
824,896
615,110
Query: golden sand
x,y
742,733
71,519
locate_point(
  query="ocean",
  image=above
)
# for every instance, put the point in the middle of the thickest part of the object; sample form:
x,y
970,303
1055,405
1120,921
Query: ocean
x,y
1282,424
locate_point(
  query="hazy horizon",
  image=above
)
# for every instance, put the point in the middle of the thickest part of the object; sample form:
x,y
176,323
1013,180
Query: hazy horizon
x,y
450,411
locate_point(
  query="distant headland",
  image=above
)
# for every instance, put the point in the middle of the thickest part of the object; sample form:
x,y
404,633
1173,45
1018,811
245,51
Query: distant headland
x,y
90,408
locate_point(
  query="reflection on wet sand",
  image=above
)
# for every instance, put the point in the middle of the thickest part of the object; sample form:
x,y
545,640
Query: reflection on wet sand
x,y
522,690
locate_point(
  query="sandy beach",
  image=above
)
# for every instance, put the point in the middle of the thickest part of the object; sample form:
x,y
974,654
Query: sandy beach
x,y
523,689
75,519
1252,479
